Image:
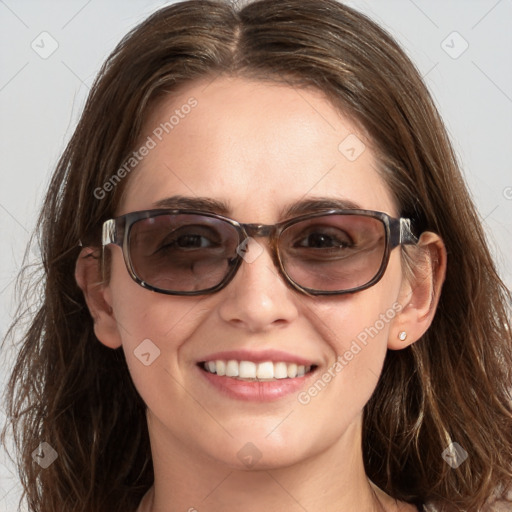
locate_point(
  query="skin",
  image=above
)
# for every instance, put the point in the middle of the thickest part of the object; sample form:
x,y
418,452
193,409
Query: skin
x,y
258,147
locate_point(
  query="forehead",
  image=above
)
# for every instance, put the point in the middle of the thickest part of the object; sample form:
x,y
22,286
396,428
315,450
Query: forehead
x,y
256,146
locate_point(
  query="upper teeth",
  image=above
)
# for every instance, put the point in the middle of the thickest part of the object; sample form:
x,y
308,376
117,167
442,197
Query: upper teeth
x,y
251,370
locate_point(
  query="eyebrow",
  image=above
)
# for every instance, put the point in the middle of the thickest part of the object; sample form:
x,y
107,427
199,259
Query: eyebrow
x,y
302,207
205,204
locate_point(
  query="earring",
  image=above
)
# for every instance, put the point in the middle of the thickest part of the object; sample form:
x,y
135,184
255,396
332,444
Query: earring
x,y
402,336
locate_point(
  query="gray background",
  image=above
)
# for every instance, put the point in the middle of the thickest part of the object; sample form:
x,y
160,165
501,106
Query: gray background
x,y
41,99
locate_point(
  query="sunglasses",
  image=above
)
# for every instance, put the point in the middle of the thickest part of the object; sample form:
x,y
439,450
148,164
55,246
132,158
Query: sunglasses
x,y
185,252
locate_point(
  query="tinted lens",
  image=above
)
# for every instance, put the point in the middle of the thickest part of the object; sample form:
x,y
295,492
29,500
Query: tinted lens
x,y
334,252
182,253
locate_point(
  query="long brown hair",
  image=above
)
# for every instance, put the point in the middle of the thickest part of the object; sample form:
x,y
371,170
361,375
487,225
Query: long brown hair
x,y
452,385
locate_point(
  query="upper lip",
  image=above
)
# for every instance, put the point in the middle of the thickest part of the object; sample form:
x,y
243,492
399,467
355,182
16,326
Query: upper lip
x,y
259,356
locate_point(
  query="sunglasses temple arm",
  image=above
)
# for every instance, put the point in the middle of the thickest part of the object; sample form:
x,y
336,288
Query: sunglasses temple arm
x,y
406,234
108,236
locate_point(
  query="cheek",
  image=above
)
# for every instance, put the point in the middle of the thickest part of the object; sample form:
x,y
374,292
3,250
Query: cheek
x,y
357,328
141,313
154,334
364,318
153,327
358,336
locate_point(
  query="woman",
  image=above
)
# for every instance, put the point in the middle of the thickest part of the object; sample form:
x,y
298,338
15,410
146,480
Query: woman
x,y
266,286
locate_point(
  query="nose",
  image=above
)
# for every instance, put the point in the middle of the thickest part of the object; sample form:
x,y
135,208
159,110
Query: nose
x,y
258,299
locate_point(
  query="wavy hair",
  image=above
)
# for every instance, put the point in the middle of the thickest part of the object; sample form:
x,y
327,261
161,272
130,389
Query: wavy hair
x,y
453,385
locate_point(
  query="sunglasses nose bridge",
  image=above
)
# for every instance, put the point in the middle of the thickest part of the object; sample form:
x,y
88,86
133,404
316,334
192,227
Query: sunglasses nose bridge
x,y
268,231
262,231
259,230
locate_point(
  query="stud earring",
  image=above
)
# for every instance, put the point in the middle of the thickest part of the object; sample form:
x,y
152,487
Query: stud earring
x,y
402,336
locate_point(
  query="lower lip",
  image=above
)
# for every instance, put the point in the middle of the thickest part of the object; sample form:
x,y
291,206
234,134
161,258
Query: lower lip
x,y
256,391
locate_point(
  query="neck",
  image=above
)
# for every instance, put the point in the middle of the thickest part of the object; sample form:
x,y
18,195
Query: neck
x,y
331,481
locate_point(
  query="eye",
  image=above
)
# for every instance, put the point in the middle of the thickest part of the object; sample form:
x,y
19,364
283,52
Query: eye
x,y
189,238
323,238
191,241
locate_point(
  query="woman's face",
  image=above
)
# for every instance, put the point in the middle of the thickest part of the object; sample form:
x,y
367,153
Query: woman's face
x,y
259,148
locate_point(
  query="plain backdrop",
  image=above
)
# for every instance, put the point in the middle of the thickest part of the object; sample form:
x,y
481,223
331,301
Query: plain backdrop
x,y
52,50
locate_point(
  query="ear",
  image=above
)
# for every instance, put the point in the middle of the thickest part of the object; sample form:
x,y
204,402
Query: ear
x,y
97,296
420,292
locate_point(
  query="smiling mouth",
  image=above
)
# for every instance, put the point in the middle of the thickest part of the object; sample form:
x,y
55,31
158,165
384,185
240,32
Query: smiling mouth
x,y
256,372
